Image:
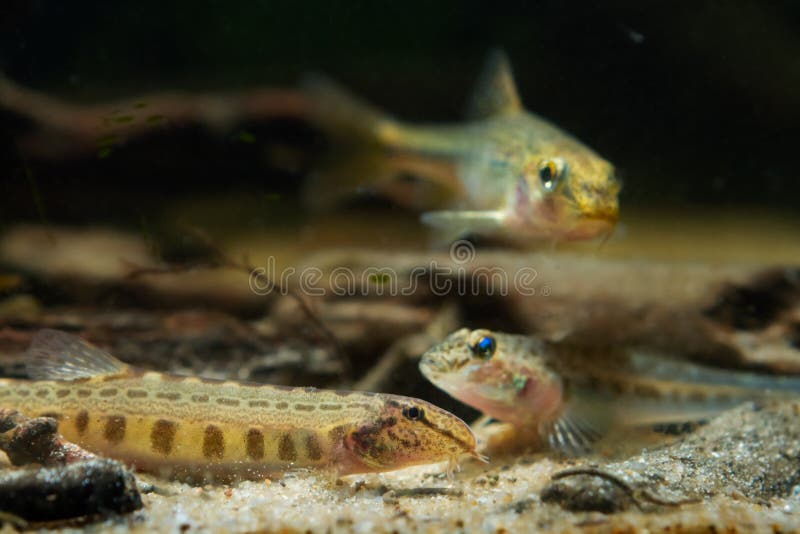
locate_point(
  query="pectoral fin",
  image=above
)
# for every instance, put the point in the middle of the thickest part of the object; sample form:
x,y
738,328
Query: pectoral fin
x,y
582,422
452,225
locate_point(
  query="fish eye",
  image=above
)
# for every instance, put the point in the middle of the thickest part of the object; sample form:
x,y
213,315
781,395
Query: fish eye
x,y
413,413
550,173
483,344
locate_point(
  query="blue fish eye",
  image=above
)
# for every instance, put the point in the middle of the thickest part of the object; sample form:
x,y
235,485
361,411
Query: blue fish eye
x,y
485,347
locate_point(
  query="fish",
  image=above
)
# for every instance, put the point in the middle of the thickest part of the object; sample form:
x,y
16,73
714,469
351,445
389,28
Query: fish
x,y
505,173
202,430
569,397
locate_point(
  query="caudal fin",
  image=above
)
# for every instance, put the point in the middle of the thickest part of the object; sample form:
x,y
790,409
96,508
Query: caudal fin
x,y
357,162
367,155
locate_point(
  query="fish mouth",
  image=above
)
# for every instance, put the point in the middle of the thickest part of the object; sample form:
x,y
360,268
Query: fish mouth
x,y
608,218
587,225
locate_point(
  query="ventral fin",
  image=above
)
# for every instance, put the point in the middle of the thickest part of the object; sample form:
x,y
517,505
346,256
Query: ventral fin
x,y
495,93
56,355
576,430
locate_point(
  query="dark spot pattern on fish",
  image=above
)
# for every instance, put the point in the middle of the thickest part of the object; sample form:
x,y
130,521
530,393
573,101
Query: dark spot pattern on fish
x,y
337,434
286,449
81,421
254,443
162,436
114,430
213,443
313,447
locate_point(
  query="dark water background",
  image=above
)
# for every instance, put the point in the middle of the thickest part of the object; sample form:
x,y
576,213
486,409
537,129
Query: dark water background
x,y
697,103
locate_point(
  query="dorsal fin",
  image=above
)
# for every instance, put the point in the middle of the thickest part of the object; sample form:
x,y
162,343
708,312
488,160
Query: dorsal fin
x,y
495,93
56,355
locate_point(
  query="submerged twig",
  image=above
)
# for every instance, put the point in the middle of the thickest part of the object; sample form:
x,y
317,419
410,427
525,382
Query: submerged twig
x,y
636,494
80,489
98,127
74,483
222,260
36,440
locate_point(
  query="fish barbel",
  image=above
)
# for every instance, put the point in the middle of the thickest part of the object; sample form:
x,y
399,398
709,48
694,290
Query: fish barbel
x,y
203,430
570,396
505,172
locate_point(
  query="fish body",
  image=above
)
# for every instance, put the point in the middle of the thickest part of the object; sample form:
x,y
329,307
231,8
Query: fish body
x,y
209,430
569,396
506,172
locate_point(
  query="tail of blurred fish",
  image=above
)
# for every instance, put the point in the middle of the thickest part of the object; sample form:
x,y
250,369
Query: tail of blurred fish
x,y
364,158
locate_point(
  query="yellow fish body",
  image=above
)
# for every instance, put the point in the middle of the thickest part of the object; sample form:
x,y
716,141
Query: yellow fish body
x,y
507,172
210,430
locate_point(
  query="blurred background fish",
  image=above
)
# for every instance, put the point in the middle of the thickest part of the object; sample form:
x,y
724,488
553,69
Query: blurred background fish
x,y
504,173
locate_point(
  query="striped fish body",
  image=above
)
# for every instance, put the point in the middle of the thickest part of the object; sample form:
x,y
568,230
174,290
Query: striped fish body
x,y
208,430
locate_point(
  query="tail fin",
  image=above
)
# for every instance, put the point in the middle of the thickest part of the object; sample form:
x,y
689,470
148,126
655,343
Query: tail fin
x,y
358,162
343,114
367,157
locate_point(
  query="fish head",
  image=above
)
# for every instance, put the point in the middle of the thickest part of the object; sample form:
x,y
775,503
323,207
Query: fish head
x,y
406,432
502,375
567,190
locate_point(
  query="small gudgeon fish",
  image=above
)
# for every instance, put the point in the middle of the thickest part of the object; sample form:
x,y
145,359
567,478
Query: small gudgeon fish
x,y
569,397
203,430
504,173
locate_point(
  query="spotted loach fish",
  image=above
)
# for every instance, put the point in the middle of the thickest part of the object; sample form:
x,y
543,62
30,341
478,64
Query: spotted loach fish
x,y
505,173
203,430
568,397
